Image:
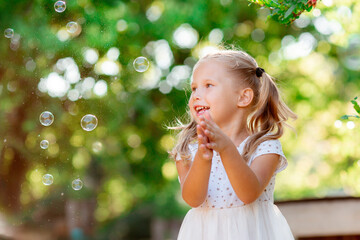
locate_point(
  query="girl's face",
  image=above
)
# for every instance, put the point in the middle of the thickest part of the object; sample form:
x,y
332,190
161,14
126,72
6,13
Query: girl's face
x,y
214,89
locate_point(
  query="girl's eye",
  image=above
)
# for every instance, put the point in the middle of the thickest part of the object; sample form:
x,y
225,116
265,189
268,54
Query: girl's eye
x,y
193,89
209,85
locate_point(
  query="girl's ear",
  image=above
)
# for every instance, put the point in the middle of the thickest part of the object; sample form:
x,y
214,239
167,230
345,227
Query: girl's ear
x,y
246,96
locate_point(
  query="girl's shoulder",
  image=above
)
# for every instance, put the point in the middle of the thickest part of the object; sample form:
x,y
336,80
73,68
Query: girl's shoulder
x,y
271,146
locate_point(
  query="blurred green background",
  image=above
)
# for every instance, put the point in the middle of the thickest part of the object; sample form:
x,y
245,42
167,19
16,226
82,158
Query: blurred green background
x,y
86,67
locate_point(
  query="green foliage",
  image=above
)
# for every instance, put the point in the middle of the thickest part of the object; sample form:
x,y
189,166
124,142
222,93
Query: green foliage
x,y
286,11
356,107
124,162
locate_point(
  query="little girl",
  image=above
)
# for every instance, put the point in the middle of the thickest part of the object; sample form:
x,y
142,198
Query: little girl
x,y
227,157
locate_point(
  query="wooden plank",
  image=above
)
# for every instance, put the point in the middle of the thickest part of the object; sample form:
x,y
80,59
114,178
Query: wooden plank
x,y
327,217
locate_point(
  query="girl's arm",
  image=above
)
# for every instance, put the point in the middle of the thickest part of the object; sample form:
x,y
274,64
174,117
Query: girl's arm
x,y
194,177
248,182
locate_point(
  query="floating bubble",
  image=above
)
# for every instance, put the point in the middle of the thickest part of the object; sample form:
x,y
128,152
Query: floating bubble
x,y
72,27
44,144
60,6
350,125
46,118
141,64
89,122
9,33
97,147
77,184
47,179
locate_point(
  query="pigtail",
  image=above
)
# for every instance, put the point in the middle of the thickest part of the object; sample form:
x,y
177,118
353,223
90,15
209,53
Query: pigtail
x,y
269,116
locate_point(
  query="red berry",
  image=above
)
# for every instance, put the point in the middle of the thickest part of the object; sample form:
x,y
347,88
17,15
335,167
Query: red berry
x,y
311,3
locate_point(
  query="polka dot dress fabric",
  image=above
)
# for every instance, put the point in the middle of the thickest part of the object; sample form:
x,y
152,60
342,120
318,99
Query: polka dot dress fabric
x,y
220,192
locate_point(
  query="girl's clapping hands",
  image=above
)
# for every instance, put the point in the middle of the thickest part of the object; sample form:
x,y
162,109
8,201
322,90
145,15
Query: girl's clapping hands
x,y
204,151
217,139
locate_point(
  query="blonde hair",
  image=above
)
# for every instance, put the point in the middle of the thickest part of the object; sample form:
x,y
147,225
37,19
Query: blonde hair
x,y
268,112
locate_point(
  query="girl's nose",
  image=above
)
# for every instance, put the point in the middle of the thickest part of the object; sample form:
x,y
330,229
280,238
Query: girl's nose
x,y
196,95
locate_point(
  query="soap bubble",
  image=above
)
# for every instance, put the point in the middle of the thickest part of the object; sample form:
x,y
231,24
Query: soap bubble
x,y
44,144
60,6
9,33
141,64
89,122
97,147
47,179
77,184
46,118
72,27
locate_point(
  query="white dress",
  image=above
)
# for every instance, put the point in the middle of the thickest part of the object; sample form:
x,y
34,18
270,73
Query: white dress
x,y
223,216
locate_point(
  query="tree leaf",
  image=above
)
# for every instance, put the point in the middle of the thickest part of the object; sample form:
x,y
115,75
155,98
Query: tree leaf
x,y
289,11
356,106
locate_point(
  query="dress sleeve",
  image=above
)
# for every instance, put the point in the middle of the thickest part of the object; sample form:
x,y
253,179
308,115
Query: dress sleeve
x,y
192,148
268,147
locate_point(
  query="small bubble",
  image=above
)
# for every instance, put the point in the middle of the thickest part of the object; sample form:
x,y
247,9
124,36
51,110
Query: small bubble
x,y
44,144
46,118
97,147
338,124
72,27
5,140
47,179
77,184
350,125
9,33
89,122
141,64
60,6
62,194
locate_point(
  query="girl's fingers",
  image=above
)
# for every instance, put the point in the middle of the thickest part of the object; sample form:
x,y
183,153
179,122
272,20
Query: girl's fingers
x,y
211,145
206,153
206,124
210,124
198,129
203,123
201,139
209,134
202,147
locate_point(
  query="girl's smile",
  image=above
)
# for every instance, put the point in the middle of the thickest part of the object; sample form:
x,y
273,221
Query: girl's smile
x,y
200,109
